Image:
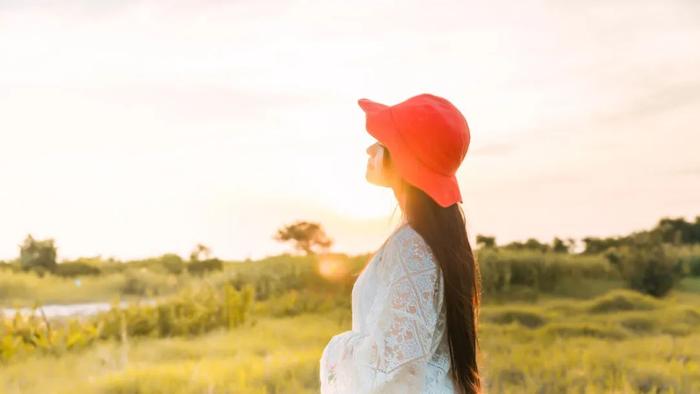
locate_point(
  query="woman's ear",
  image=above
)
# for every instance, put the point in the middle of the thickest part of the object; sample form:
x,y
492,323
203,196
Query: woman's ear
x,y
379,158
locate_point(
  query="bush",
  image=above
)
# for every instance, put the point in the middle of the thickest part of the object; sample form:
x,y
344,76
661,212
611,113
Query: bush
x,y
204,266
646,266
172,263
192,312
144,282
24,335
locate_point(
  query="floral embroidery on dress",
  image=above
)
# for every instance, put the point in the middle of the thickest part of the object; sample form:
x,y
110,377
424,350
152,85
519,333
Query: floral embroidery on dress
x,y
398,344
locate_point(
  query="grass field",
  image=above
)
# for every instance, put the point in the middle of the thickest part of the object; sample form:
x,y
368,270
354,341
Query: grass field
x,y
618,342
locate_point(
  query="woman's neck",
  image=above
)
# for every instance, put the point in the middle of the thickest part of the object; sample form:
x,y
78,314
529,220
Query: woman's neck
x,y
400,197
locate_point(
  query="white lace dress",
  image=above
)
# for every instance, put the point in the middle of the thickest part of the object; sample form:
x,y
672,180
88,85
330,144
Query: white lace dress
x,y
398,341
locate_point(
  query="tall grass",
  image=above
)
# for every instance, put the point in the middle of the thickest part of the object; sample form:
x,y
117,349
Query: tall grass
x,y
259,327
190,313
554,346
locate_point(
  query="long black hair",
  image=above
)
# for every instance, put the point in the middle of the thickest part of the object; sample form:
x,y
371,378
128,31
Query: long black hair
x,y
444,230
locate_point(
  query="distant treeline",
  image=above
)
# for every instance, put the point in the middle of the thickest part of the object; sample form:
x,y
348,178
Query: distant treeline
x,y
650,261
202,293
675,231
39,256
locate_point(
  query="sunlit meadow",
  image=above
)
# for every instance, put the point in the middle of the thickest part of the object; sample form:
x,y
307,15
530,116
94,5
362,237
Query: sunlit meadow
x,y
183,207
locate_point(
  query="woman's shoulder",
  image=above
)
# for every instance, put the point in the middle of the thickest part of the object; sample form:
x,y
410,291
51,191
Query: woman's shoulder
x,y
406,235
410,247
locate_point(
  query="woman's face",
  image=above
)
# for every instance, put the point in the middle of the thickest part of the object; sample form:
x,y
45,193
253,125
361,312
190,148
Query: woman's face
x,y
376,172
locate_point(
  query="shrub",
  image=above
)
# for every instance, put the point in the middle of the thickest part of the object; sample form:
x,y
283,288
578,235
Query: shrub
x,y
144,282
192,312
646,266
204,266
23,335
172,263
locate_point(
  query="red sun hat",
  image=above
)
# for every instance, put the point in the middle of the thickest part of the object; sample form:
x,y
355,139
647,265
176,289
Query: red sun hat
x,y
427,138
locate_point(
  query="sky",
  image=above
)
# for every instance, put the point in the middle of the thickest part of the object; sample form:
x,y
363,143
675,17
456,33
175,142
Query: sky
x,y
130,129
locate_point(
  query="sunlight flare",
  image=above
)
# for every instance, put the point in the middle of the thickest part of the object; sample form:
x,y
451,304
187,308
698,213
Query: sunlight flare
x,y
332,268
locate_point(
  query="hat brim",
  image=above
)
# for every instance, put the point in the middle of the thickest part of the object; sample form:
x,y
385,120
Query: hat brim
x,y
379,124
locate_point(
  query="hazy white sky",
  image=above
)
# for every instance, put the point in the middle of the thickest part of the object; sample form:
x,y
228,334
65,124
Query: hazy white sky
x,y
135,128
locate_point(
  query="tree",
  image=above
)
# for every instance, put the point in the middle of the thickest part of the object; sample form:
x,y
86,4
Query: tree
x,y
563,246
200,252
483,241
599,245
172,263
678,231
39,256
558,246
306,236
201,261
530,244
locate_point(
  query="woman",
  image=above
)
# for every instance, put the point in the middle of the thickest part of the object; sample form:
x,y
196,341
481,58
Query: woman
x,y
415,305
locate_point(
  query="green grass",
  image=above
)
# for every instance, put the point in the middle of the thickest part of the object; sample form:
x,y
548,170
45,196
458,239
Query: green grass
x,y
268,355
620,342
552,324
611,344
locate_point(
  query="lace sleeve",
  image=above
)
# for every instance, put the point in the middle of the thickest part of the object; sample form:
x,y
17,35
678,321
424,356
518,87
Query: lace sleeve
x,y
392,356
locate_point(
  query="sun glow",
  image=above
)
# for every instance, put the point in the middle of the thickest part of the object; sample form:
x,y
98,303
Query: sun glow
x,y
332,268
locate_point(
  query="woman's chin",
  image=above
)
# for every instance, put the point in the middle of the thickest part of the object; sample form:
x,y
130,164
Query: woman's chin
x,y
371,178
375,181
